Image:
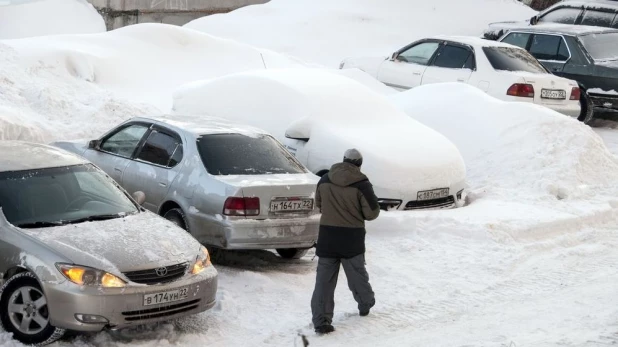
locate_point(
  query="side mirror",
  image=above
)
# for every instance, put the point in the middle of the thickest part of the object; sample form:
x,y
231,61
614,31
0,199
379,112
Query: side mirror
x,y
139,197
299,130
394,56
94,144
534,20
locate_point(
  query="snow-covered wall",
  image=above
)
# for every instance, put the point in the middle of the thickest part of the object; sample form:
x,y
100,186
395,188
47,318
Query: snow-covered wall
x,y
27,18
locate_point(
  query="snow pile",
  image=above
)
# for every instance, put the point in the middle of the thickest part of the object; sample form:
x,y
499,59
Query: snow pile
x,y
515,148
326,31
336,113
26,18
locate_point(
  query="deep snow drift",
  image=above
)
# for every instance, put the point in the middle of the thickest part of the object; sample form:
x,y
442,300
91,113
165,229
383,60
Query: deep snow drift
x,y
26,18
326,31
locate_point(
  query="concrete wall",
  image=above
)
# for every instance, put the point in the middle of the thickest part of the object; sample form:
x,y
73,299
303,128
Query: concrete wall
x,y
119,13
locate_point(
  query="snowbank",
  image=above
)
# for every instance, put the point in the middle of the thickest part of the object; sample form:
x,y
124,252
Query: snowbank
x,y
26,18
516,150
327,31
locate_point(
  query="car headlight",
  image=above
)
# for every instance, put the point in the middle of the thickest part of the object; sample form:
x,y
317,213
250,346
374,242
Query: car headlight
x,y
86,276
202,261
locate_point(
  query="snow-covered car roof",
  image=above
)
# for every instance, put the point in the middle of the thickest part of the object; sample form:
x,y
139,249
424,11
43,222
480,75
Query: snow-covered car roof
x,y
473,41
338,113
564,29
203,124
21,155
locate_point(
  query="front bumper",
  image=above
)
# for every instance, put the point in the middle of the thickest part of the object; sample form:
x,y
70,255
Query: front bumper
x,y
123,307
604,103
409,201
249,233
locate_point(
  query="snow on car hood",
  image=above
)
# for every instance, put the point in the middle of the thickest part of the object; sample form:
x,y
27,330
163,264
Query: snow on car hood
x,y
337,113
135,242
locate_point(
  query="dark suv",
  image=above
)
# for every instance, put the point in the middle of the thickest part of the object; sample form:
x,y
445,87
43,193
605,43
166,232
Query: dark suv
x,y
600,13
588,55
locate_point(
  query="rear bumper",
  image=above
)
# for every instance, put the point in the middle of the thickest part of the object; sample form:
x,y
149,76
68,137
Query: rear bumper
x,y
571,110
124,307
258,234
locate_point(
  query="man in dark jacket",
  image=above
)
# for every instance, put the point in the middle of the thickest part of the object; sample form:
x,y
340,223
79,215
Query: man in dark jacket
x,y
346,200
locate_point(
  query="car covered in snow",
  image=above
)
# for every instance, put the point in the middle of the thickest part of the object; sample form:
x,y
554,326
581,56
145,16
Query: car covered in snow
x,y
78,253
601,13
230,185
318,115
501,70
586,54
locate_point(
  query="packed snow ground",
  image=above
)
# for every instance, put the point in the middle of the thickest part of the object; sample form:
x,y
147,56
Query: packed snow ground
x,y
515,267
27,18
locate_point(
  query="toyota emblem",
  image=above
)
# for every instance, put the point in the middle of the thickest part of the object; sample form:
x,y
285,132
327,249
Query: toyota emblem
x,y
162,271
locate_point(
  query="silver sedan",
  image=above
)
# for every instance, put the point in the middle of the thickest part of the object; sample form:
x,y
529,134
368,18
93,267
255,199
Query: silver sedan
x,y
231,186
77,253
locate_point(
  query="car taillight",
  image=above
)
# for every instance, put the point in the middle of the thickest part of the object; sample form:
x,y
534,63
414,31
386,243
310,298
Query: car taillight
x,y
575,93
241,206
521,90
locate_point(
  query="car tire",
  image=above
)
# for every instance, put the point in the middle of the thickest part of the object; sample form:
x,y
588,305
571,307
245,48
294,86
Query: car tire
x,y
177,217
39,331
292,253
587,112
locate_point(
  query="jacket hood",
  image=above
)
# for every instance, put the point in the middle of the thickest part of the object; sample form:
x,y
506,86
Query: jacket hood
x,y
345,174
135,242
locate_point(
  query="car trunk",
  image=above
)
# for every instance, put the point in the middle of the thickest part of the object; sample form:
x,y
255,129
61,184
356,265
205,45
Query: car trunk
x,y
549,90
280,196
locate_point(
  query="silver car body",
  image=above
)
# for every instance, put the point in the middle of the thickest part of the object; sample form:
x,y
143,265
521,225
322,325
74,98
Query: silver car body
x,y
121,246
201,195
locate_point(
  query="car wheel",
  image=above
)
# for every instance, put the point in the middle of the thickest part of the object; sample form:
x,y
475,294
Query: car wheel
x,y
24,311
177,217
587,111
292,253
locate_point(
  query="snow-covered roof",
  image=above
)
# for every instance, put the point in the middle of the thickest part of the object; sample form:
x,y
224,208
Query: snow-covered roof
x,y
565,29
203,124
20,155
472,41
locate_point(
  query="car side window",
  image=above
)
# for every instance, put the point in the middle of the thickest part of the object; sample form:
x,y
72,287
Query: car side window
x,y
419,54
549,47
598,18
517,39
561,15
160,149
452,57
124,141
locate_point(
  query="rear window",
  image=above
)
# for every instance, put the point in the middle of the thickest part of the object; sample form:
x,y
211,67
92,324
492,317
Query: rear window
x,y
601,46
236,154
512,59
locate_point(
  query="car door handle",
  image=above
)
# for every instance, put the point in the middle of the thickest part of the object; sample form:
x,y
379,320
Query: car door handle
x,y
416,73
461,80
117,169
163,184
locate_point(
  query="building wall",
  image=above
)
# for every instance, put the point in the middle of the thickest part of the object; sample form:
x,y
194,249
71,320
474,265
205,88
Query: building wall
x,y
119,13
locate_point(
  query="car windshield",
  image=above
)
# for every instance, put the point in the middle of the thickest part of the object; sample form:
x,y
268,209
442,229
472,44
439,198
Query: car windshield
x,y
236,154
601,46
512,59
63,195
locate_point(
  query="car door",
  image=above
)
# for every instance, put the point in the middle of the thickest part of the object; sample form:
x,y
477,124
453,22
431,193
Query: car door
x,y
406,69
551,50
117,148
453,63
155,166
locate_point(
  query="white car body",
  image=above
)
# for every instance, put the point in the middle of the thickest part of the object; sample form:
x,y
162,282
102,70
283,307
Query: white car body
x,y
318,115
477,71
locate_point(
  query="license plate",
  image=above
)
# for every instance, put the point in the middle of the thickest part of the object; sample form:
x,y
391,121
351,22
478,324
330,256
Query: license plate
x,y
291,205
553,94
432,194
165,297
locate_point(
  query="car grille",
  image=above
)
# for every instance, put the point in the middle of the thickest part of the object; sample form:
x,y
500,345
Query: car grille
x,y
158,275
435,203
159,312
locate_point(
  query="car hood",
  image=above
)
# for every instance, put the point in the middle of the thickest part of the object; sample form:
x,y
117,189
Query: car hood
x,y
135,242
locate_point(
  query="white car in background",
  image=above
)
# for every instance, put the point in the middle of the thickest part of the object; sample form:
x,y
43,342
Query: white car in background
x,y
318,115
501,70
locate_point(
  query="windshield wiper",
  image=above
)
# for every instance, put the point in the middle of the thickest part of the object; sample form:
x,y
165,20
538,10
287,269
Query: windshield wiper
x,y
95,218
33,225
